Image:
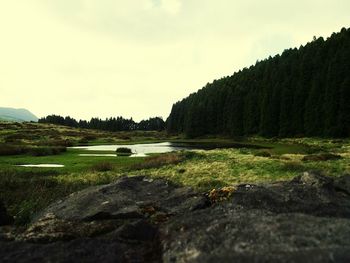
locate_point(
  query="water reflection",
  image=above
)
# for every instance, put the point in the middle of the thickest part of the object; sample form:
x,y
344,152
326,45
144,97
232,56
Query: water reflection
x,y
139,150
142,150
46,165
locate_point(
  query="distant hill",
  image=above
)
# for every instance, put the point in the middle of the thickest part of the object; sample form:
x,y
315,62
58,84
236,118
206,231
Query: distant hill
x,y
16,115
302,92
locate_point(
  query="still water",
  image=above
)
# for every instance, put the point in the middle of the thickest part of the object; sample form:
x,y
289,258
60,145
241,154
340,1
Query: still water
x,y
139,150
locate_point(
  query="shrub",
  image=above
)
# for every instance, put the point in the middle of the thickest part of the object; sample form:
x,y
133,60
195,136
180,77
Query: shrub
x,y
222,194
293,167
45,151
244,151
207,184
314,149
86,139
123,151
11,140
159,161
321,157
190,155
263,154
60,142
90,137
6,149
5,219
124,137
103,166
20,136
25,212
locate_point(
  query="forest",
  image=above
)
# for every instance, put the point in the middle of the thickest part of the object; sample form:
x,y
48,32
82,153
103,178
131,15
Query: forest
x,y
302,92
109,124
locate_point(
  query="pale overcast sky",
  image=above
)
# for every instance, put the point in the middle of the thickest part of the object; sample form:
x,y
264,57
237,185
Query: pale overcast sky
x,y
135,58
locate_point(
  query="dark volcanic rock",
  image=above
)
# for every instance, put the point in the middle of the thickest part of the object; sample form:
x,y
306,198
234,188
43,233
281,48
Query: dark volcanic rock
x,y
110,223
342,184
129,197
283,222
226,233
309,193
5,219
137,219
112,248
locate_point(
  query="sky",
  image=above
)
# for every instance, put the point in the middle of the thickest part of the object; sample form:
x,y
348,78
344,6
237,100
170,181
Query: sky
x,y
135,58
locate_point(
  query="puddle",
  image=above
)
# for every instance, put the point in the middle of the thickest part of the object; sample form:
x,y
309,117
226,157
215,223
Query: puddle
x,y
42,165
110,155
98,154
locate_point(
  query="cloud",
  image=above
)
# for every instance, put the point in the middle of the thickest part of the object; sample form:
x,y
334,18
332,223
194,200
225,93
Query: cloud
x,y
135,58
171,6
156,3
142,20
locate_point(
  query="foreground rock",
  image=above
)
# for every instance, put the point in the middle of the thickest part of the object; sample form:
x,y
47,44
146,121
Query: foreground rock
x,y
308,217
110,223
128,198
229,234
140,220
308,193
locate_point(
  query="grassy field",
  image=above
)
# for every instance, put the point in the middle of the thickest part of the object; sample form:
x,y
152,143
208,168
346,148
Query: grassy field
x,y
26,191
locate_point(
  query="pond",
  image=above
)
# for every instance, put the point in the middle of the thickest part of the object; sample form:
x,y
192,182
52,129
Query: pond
x,y
139,150
142,150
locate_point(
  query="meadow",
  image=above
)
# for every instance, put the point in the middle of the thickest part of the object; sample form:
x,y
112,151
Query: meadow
x,y
25,191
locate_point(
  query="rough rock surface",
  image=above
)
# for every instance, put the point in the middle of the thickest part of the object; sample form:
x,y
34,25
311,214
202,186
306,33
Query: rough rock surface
x,y
308,193
141,220
308,217
110,223
129,197
133,242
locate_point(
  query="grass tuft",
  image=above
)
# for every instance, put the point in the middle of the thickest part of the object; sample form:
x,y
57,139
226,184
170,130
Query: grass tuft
x,y
263,154
321,157
159,161
103,166
7,149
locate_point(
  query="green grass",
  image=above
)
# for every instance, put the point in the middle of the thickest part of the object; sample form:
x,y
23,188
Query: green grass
x,y
231,166
71,160
26,191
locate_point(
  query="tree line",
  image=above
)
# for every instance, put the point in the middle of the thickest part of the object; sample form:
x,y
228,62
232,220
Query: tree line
x,y
302,92
109,124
